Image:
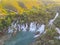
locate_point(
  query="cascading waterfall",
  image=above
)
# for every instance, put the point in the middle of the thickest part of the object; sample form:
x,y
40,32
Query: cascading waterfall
x,y
25,35
52,20
51,23
58,30
32,27
41,29
23,27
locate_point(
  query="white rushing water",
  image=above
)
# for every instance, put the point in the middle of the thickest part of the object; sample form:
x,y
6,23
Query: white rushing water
x,y
41,29
58,30
51,23
52,20
23,27
32,27
10,30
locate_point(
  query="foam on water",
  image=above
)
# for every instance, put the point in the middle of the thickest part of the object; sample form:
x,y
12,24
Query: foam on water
x,y
32,27
58,30
41,28
23,27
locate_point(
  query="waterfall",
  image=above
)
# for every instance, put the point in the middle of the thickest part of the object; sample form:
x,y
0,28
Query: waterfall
x,y
41,30
58,30
10,30
57,14
23,27
19,27
52,20
32,27
51,23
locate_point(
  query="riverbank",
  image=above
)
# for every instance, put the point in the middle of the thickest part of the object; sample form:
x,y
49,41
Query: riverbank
x,y
3,39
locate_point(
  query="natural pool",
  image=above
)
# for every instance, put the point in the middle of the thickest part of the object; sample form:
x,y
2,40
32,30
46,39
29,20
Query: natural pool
x,y
21,38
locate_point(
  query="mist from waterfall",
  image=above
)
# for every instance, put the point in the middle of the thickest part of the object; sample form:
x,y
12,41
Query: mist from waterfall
x,y
51,23
58,30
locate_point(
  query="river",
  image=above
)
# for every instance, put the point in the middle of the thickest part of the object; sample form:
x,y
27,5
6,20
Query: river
x,y
21,38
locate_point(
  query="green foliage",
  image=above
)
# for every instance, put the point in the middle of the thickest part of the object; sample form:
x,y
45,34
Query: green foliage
x,y
40,15
48,38
57,22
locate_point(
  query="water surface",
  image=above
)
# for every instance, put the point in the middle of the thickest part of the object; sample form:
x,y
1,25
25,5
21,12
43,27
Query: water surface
x,y
21,38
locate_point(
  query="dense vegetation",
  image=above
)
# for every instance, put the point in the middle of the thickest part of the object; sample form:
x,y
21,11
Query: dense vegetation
x,y
28,12
48,38
39,15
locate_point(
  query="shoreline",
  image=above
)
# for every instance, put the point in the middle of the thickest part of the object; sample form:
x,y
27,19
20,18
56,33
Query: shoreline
x,y
3,39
